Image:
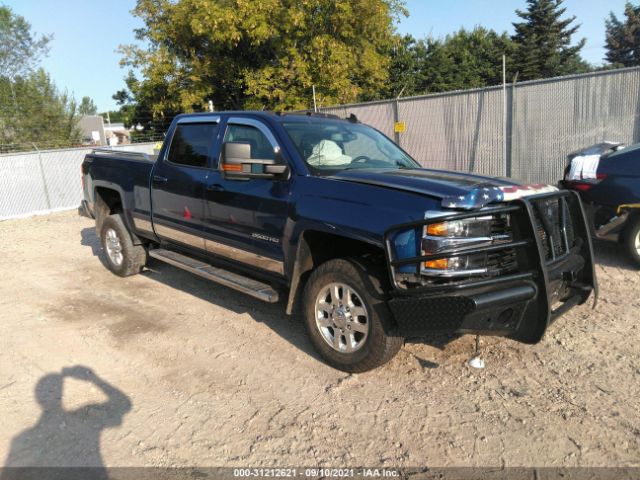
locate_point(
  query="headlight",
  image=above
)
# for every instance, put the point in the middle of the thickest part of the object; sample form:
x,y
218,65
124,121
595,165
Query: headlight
x,y
465,228
456,236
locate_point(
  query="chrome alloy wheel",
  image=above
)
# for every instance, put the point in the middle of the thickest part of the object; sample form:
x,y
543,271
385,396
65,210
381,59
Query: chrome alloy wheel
x,y
636,242
342,318
113,246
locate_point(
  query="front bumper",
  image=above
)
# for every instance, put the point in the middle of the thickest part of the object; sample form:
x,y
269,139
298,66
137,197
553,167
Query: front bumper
x,y
520,305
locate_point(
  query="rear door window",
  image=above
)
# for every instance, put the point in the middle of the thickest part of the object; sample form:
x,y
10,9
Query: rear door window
x,y
192,144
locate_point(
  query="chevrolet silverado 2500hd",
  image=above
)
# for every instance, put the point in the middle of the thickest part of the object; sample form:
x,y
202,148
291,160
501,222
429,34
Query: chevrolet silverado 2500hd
x,y
334,218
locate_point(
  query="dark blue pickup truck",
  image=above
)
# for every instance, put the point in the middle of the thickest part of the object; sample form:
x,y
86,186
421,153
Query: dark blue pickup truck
x,y
334,218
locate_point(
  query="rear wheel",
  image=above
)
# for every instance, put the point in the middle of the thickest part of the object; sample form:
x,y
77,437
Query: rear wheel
x,y
631,240
346,316
122,256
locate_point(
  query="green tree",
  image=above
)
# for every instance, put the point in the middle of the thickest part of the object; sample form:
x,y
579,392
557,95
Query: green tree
x,y
464,59
20,48
623,38
40,114
467,59
146,104
87,107
32,110
265,54
122,97
543,42
406,67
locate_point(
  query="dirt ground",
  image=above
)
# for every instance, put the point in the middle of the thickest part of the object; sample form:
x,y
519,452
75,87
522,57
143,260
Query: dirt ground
x,y
186,372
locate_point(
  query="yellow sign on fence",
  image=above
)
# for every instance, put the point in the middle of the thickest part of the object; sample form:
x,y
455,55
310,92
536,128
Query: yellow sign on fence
x,y
399,127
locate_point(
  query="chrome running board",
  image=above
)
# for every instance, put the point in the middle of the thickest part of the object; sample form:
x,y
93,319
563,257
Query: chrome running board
x,y
243,284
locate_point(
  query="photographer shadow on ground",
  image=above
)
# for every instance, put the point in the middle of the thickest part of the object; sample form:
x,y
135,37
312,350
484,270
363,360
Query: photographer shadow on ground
x,y
66,438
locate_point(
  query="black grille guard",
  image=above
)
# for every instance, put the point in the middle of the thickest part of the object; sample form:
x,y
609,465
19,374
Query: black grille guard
x,y
530,251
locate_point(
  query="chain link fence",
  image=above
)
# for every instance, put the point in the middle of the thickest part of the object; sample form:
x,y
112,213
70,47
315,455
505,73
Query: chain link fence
x,y
39,182
524,131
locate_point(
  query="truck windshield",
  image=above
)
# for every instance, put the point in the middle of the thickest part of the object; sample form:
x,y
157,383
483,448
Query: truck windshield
x,y
330,147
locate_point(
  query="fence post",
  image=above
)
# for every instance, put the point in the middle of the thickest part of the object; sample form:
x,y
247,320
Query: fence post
x,y
44,178
505,109
396,119
510,116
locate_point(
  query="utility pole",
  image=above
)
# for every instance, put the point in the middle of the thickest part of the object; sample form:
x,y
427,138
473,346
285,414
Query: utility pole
x,y
396,117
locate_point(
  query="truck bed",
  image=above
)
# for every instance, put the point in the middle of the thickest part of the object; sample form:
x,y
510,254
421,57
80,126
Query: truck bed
x,y
127,172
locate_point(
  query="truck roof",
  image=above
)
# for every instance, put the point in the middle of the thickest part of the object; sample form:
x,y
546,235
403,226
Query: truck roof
x,y
302,116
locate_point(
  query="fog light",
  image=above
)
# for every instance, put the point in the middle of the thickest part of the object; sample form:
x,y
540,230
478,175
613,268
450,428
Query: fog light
x,y
455,266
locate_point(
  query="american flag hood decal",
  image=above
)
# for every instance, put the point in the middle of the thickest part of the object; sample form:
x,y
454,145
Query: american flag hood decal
x,y
483,195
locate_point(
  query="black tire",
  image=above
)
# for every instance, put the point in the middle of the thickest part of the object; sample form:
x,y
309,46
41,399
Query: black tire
x,y
382,341
134,257
631,239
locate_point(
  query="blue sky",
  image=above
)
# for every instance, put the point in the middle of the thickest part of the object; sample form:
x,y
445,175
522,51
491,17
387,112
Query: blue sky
x,y
84,61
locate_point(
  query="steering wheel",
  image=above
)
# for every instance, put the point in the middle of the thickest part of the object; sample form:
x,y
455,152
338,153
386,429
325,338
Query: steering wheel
x,y
361,159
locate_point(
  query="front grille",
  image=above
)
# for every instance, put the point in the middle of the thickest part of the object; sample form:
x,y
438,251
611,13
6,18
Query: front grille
x,y
499,263
500,225
554,226
504,261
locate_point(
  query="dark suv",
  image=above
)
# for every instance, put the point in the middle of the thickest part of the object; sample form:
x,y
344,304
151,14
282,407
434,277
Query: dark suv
x,y
610,193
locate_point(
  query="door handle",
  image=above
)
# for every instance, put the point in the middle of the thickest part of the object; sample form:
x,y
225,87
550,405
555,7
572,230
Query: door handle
x,y
159,179
216,187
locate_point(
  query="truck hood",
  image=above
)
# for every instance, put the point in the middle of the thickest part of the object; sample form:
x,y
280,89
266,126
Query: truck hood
x,y
455,190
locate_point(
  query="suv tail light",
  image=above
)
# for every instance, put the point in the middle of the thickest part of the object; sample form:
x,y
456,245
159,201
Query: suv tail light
x,y
585,186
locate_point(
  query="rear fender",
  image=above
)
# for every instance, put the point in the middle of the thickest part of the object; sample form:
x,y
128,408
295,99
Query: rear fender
x,y
105,205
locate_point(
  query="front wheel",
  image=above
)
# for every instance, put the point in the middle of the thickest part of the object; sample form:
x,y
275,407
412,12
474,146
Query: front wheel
x,y
347,319
122,256
632,240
